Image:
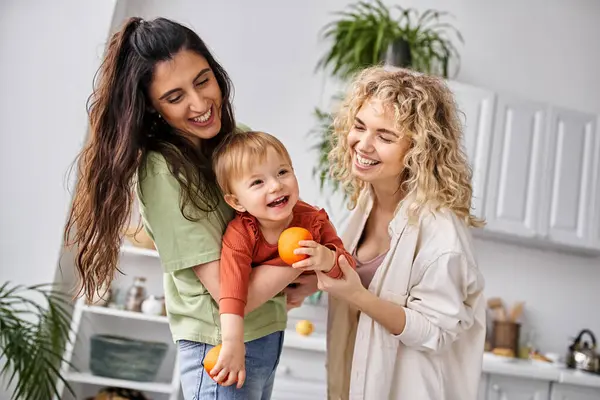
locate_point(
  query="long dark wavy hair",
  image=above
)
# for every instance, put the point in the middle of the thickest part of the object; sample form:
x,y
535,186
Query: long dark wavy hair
x,y
123,131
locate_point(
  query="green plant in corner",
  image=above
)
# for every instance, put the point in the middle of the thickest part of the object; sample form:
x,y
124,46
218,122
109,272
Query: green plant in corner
x,y
34,329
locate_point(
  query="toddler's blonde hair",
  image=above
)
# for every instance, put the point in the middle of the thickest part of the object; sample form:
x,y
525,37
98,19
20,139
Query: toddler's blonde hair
x,y
239,151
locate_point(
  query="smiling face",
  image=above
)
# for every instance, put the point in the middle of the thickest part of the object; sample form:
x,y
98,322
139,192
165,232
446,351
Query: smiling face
x,y
268,190
186,94
378,148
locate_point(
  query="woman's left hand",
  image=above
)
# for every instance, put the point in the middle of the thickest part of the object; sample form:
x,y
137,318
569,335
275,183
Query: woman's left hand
x,y
345,288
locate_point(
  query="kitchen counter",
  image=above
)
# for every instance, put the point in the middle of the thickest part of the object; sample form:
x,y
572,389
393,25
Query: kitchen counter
x,y
492,364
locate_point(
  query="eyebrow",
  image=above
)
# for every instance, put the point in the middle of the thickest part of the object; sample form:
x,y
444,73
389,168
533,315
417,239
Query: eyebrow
x,y
170,92
381,130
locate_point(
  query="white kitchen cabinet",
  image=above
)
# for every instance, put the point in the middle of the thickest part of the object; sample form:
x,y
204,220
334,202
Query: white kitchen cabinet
x,y
566,203
561,391
595,228
510,388
476,112
482,391
515,170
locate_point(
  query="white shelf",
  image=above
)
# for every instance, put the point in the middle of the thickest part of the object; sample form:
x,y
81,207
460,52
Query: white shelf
x,y
314,342
125,314
128,249
87,377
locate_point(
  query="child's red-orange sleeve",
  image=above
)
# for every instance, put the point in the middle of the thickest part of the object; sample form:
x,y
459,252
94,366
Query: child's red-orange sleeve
x,y
235,268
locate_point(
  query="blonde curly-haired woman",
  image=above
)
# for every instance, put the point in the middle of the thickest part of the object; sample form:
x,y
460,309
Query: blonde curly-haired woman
x,y
409,323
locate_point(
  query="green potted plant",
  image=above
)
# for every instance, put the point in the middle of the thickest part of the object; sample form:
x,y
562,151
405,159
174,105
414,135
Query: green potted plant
x,y
369,33
34,329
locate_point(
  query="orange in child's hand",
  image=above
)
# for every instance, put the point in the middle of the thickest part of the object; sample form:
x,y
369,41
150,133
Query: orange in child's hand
x,y
288,242
210,360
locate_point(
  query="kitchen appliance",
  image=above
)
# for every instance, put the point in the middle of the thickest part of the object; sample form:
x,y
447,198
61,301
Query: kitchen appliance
x,y
582,354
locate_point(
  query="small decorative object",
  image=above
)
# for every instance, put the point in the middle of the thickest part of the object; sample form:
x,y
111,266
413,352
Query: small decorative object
x,y
138,237
305,328
288,242
124,358
153,305
136,295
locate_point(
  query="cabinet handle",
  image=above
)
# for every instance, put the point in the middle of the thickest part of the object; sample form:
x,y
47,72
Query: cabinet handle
x,y
495,388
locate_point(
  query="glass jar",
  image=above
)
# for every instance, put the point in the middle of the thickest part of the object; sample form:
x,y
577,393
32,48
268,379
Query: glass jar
x,y
136,294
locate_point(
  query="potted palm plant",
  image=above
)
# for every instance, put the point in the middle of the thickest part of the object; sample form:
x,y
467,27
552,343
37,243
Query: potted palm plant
x,y
34,329
369,33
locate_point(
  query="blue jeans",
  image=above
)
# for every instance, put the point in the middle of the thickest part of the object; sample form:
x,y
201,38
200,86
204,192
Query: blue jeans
x,y
262,357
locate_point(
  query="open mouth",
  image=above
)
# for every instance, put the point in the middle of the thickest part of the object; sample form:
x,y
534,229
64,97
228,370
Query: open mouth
x,y
279,202
365,162
203,119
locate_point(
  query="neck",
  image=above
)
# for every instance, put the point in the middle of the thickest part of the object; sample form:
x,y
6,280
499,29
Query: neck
x,y
387,197
274,227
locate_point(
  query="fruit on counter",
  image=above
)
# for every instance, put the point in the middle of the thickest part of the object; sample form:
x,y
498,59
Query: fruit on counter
x,y
288,242
500,351
304,327
210,360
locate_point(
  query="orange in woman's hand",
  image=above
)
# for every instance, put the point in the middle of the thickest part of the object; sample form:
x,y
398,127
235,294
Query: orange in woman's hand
x,y
288,242
210,360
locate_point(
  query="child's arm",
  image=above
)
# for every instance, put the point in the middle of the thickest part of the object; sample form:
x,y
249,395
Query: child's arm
x,y
324,256
235,269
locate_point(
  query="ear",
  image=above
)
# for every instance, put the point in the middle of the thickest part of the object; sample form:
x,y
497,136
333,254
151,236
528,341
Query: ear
x,y
234,203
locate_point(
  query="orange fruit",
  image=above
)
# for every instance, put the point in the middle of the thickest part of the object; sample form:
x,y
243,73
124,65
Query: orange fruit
x,y
305,327
288,242
210,360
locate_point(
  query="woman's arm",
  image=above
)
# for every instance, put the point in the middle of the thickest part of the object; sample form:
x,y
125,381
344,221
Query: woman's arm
x,y
440,306
266,281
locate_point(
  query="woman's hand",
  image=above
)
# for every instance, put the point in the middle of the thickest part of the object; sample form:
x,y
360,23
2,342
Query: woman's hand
x,y
305,285
347,288
320,258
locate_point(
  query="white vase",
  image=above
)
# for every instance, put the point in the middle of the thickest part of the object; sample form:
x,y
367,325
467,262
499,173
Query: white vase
x,y
152,305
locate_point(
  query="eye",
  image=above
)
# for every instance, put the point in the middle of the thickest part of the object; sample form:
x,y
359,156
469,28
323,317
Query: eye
x,y
175,100
385,139
283,172
359,127
201,83
256,182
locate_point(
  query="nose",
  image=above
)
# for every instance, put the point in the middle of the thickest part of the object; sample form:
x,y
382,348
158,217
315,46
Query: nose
x,y
198,102
365,143
275,186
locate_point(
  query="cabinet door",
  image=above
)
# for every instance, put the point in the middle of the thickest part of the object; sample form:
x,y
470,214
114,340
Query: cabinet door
x,y
476,112
516,163
502,387
561,391
567,206
595,228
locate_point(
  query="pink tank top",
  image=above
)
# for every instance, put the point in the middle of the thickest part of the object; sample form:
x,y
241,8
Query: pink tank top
x,y
366,270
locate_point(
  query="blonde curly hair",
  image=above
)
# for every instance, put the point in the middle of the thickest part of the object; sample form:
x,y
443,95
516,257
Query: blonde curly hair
x,y
436,172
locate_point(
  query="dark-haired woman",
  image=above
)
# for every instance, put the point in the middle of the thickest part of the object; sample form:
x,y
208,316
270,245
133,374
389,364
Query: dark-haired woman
x,y
161,105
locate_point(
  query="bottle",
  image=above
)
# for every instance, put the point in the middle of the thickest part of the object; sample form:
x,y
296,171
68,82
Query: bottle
x,y
136,294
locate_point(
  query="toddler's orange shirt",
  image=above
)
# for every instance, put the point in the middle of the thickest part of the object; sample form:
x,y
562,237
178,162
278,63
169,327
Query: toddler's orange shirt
x,y
245,247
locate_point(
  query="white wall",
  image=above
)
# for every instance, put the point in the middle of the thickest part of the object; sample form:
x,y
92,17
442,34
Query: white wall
x,y
49,53
543,49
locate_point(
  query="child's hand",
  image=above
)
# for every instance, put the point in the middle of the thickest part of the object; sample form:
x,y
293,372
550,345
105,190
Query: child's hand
x,y
320,258
231,365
